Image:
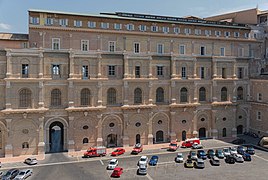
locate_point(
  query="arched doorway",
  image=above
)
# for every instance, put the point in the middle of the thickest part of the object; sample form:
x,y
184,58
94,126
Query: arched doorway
x,y
183,135
112,140
202,132
56,137
138,138
159,136
239,129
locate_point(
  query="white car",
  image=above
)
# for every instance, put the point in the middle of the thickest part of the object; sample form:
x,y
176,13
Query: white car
x,y
31,161
226,152
233,150
23,174
238,158
197,146
143,160
179,157
142,169
112,164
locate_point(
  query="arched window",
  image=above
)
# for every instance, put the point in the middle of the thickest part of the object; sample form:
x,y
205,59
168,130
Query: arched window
x,y
111,96
25,98
25,145
224,132
85,97
202,94
85,140
224,94
55,97
240,93
160,95
137,96
184,95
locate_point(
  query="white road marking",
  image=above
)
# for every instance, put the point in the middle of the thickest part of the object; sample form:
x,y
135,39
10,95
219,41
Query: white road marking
x,y
261,158
149,177
101,162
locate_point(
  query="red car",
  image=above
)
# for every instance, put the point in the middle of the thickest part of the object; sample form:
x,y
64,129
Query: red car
x,y
118,152
117,172
137,148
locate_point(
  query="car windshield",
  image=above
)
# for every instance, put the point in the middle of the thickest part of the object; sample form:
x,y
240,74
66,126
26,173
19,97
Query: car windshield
x,y
22,173
143,169
8,173
226,150
117,150
112,162
143,159
193,153
179,155
250,148
200,162
154,158
172,144
202,152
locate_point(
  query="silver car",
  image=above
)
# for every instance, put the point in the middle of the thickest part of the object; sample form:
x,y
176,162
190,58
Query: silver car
x,y
25,173
142,169
31,161
179,158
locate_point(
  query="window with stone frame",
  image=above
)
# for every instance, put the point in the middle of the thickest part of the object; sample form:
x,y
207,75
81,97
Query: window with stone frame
x,y
224,94
258,115
112,46
137,96
85,140
183,95
85,74
202,94
25,145
85,97
137,71
25,98
84,45
240,93
159,95
56,43
111,96
55,98
224,132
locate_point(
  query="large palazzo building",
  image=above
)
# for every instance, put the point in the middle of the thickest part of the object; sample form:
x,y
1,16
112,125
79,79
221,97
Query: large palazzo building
x,y
115,79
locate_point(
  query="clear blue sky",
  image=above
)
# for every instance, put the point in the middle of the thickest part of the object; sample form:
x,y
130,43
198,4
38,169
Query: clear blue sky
x,y
14,13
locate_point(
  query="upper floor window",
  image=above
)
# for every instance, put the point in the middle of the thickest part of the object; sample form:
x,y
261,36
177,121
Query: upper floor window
x,y
137,72
183,72
223,73
154,28
259,97
259,115
111,46
34,20
55,97
91,24
111,70
182,49
246,35
176,30
142,27
55,43
55,69
104,25
49,21
236,34
183,95
63,22
137,96
25,145
222,51
130,27
202,50
159,94
227,33
187,31
117,26
165,29
240,52
197,31
85,97
217,33
160,48
202,72
240,93
77,23
240,73
24,70
136,47
85,72
25,96
111,96
160,71
208,32
202,94
84,45
224,94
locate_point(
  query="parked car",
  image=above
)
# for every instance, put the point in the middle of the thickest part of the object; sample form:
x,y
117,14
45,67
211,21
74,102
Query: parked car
x,y
23,174
137,148
219,153
173,146
118,171
153,161
233,150
230,159
0,164
197,146
226,152
179,158
31,161
118,152
112,164
1,174
238,158
199,163
246,156
189,163
10,174
250,150
214,161
189,142
142,169
201,154
192,155
239,141
210,153
143,160
241,150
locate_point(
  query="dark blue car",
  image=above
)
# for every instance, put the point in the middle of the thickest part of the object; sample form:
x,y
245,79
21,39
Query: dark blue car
x,y
241,150
153,161
250,150
201,154
246,156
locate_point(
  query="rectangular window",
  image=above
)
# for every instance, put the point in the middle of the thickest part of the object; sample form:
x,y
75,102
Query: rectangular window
x,y
246,35
182,49
160,48
202,50
137,72
85,72
227,33
258,115
49,21
77,23
236,34
183,72
160,71
208,32
154,28
259,96
217,33
202,72
130,27
84,45
136,47
240,73
222,53
223,73
142,27
25,70
165,29
24,45
197,31
104,25
240,52
63,22
34,20
111,70
91,24
117,26
55,43
55,69
187,31
176,30
111,46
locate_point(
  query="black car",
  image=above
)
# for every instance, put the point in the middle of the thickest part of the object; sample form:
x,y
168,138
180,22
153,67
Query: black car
x,y
230,159
240,150
10,174
239,141
219,153
250,150
210,153
201,154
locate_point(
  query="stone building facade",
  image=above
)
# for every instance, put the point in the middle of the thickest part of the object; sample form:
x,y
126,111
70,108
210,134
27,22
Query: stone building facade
x,y
116,79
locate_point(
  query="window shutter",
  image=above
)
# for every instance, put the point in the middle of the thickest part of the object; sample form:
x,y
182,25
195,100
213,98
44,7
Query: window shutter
x,y
74,23
31,20
52,21
66,22
37,19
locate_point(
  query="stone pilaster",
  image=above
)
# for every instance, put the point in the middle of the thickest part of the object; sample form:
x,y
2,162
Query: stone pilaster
x,y
125,130
99,93
71,144
9,146
172,130
41,143
150,126
126,66
99,139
